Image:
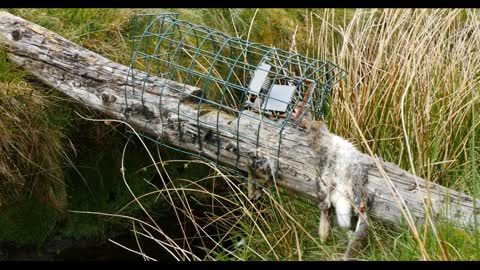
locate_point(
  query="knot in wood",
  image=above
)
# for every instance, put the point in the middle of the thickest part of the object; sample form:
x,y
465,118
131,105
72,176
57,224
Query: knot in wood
x,y
108,99
16,35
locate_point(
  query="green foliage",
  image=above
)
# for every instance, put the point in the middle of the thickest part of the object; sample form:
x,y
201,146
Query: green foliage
x,y
28,222
31,139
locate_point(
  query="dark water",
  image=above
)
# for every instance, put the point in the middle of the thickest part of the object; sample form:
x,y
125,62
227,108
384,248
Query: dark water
x,y
109,251
96,184
105,250
83,250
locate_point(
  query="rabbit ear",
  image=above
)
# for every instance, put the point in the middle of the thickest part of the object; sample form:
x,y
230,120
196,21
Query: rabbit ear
x,y
307,119
318,127
301,115
322,126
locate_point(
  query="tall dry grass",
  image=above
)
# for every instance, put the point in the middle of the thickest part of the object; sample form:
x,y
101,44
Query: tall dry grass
x,y
31,146
412,89
412,83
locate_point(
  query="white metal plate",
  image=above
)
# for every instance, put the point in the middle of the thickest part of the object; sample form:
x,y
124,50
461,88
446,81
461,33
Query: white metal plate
x,y
280,97
259,78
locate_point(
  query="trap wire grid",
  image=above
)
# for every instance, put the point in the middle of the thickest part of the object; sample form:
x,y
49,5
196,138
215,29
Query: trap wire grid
x,y
235,77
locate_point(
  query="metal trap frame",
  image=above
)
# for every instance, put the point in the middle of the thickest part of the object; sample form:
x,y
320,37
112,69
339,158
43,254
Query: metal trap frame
x,y
235,77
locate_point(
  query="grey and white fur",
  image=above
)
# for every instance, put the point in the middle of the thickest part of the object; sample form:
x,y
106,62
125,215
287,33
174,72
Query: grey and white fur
x,y
342,177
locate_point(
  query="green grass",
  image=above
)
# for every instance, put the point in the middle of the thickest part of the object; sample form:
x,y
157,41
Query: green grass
x,y
412,89
29,222
24,124
32,130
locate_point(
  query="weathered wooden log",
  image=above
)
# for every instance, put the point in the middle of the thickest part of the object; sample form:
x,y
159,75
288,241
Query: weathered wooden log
x,y
101,84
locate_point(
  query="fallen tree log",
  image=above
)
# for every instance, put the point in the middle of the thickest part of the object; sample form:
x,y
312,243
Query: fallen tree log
x,y
101,84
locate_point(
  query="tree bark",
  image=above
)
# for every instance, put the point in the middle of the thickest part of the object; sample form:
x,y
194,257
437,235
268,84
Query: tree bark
x,y
101,84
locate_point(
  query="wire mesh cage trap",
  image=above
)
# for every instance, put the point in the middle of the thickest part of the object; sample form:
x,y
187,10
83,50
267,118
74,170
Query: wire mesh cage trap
x,y
232,78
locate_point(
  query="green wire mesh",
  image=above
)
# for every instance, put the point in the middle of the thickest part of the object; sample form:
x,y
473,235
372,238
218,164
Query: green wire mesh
x,y
235,76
